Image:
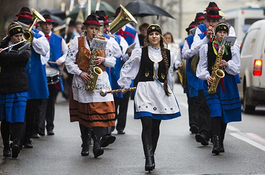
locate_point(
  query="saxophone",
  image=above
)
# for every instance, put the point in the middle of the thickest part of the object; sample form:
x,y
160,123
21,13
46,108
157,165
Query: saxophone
x,y
217,73
93,70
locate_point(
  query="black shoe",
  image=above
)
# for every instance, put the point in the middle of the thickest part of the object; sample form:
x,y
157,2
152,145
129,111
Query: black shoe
x,y
202,139
222,149
85,150
121,132
6,152
106,140
194,129
15,149
50,132
35,136
28,145
41,133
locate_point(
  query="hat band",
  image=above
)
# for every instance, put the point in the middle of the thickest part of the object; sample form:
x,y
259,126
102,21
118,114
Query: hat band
x,y
25,16
26,12
92,22
213,16
200,17
214,8
49,20
192,26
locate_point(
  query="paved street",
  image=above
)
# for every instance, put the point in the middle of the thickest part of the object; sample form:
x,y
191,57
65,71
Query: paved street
x,y
177,151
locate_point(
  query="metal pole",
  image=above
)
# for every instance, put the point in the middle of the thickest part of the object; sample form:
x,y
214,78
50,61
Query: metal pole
x,y
88,7
180,18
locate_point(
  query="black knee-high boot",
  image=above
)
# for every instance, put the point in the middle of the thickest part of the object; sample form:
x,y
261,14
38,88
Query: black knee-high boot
x,y
96,135
17,129
216,129
222,136
84,137
5,136
147,143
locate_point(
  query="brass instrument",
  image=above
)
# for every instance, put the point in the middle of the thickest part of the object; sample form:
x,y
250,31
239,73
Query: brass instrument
x,y
93,70
217,73
103,93
27,33
182,73
123,18
194,63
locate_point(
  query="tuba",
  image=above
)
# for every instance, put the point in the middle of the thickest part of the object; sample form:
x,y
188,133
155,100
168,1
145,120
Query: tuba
x,y
122,19
217,73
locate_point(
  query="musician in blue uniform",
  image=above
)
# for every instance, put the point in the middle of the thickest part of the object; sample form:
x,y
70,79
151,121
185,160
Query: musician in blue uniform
x,y
35,69
225,103
13,88
58,52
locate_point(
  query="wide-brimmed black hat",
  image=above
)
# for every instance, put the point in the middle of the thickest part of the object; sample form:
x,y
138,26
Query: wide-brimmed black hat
x,y
92,20
154,28
102,16
118,10
48,19
25,15
199,16
192,25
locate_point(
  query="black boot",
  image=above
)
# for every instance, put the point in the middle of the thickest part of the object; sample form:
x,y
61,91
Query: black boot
x,y
216,145
6,151
97,150
149,157
85,146
15,148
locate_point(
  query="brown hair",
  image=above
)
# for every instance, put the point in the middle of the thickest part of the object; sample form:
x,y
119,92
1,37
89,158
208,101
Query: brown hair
x,y
165,59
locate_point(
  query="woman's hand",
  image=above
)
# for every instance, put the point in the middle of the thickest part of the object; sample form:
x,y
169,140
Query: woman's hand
x,y
209,80
100,60
85,76
223,63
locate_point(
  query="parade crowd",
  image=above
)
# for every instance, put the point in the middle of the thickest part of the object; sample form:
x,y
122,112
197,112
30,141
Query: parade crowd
x,y
98,70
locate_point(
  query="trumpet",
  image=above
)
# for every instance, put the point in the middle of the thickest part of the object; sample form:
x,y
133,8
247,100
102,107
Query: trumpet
x,y
27,33
104,92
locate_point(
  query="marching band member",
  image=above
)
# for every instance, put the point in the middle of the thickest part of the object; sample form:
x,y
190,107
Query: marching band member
x,y
35,69
154,99
58,52
225,104
13,88
88,107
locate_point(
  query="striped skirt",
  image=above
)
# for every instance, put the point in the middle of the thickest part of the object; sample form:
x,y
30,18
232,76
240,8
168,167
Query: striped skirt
x,y
97,114
13,107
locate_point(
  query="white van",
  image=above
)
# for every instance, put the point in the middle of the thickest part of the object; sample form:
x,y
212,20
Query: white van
x,y
252,74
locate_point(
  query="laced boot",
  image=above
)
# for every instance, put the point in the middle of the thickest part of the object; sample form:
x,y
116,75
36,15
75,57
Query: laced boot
x,y
216,145
97,150
85,146
6,151
15,148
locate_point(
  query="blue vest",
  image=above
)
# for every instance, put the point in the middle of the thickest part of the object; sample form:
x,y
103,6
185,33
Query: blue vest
x,y
128,34
38,87
55,53
194,83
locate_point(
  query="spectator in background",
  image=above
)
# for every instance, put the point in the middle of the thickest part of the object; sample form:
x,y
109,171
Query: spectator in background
x,y
79,29
143,33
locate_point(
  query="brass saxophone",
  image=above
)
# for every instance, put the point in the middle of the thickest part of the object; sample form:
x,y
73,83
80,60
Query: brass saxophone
x,y
93,70
217,73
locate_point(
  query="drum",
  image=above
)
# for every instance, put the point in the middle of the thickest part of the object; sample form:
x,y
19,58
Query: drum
x,y
52,75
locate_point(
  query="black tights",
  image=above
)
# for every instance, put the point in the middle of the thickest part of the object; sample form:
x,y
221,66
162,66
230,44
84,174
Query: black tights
x,y
16,130
150,133
218,127
85,131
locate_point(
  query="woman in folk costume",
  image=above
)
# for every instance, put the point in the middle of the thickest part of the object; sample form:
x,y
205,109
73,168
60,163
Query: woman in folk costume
x,y
13,88
154,99
87,106
224,104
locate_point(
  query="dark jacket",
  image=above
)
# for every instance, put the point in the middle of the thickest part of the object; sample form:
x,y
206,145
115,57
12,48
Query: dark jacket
x,y
13,77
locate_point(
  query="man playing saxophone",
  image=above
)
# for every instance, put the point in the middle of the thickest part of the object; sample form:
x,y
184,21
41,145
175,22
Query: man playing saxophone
x,y
224,104
87,106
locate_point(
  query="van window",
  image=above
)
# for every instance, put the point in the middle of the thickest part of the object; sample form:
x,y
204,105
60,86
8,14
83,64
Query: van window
x,y
250,41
